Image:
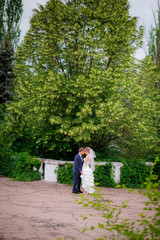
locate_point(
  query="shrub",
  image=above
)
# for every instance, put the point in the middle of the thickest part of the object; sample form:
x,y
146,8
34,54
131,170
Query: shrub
x,y
22,167
134,173
19,166
156,169
103,175
65,174
5,160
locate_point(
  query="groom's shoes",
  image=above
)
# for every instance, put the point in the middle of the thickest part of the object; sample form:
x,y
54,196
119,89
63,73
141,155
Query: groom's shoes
x,y
75,192
80,191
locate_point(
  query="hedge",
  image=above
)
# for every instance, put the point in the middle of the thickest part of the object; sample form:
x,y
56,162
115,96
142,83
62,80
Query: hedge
x,y
103,175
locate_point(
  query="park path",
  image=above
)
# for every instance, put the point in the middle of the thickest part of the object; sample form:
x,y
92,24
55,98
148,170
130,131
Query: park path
x,y
47,211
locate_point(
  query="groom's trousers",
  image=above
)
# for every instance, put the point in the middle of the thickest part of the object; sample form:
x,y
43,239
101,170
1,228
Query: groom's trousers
x,y
76,182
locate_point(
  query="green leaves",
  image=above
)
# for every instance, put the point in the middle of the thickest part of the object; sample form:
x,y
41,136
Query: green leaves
x,y
78,83
117,227
19,166
103,175
100,225
134,173
10,15
65,174
79,35
92,227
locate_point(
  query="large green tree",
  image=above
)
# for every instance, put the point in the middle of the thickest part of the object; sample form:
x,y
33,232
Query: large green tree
x,y
10,15
6,71
154,38
77,80
74,37
154,52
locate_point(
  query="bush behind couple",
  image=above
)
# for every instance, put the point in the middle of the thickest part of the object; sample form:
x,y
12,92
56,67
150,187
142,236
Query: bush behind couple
x,y
82,171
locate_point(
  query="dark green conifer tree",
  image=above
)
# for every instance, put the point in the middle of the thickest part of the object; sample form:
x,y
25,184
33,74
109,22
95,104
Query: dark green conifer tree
x,y
10,15
6,71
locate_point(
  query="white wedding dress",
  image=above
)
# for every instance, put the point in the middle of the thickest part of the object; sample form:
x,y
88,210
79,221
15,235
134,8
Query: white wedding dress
x,y
87,178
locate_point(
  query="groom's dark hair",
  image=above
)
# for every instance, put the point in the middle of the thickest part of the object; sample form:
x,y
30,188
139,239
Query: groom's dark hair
x,y
81,149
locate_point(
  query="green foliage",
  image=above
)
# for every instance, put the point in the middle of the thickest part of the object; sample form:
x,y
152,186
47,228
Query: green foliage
x,y
1,113
148,227
154,38
154,53
111,153
19,166
156,170
103,175
5,151
65,174
134,173
81,85
22,167
78,35
6,71
62,114
5,159
10,16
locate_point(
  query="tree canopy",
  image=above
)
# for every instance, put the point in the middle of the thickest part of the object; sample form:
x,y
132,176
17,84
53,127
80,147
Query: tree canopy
x,y
10,15
154,38
154,52
78,82
76,36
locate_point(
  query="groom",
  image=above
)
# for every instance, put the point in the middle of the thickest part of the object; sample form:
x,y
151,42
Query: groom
x,y
77,171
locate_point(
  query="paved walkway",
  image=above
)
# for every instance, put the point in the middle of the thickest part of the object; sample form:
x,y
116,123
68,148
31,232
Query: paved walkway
x,y
47,211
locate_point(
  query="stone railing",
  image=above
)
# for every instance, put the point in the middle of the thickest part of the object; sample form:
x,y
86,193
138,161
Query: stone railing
x,y
49,166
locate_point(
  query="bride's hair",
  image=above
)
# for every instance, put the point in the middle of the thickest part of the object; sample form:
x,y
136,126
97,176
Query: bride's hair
x,y
87,149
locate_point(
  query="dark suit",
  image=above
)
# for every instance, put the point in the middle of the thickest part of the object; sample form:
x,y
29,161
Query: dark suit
x,y
78,162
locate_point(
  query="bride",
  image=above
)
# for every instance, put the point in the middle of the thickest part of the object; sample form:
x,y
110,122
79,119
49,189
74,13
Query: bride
x,y
87,171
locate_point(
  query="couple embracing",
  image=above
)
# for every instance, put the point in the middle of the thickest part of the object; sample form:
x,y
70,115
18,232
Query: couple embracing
x,y
83,171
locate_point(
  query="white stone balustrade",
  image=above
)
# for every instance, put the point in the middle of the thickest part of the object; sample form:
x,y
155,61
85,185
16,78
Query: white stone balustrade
x,y
48,168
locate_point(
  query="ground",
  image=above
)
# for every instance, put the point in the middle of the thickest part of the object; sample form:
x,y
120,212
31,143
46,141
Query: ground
x,y
48,211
